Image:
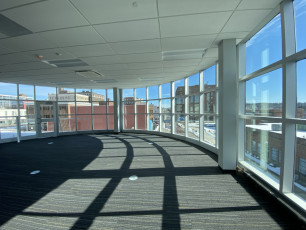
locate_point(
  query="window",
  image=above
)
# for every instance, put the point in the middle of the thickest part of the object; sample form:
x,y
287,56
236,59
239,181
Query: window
x,y
264,94
268,141
300,23
265,47
301,92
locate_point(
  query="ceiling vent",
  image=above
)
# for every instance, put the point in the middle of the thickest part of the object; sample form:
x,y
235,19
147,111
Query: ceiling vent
x,y
11,28
91,74
183,54
66,63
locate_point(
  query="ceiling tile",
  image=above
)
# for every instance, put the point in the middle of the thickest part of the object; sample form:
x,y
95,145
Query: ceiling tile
x,y
49,54
4,50
179,7
188,62
90,50
73,36
245,20
102,60
26,42
14,58
147,57
24,66
5,4
46,15
212,52
110,67
129,31
258,4
193,24
145,65
3,35
143,46
104,11
190,42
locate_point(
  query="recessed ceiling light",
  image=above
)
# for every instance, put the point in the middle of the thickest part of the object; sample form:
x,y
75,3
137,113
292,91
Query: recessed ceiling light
x,y
104,81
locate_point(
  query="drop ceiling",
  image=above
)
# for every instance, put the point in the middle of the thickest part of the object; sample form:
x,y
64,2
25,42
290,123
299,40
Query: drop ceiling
x,y
123,40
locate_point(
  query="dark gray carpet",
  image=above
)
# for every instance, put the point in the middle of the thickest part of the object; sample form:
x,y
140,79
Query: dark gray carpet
x,y
84,184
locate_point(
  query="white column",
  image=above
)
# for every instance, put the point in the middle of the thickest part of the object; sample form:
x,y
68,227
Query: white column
x,y
227,152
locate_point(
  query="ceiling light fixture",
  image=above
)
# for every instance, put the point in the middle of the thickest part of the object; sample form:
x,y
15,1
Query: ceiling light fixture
x,y
183,54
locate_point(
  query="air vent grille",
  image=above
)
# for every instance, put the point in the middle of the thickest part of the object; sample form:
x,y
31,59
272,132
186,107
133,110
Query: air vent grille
x,y
66,63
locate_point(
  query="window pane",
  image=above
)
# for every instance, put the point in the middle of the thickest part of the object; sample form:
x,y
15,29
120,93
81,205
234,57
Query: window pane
x,y
210,130
110,107
83,108
180,105
45,93
8,108
264,94
153,92
8,128
210,78
128,94
129,108
194,84
99,122
66,94
194,106
99,107
66,108
26,108
166,90
27,126
179,87
84,122
67,123
153,106
299,186
141,94
166,106
193,127
165,123
262,140
110,95
98,95
153,122
141,121
265,47
141,107
179,124
47,126
210,102
8,91
26,92
83,95
129,121
110,121
301,92
300,23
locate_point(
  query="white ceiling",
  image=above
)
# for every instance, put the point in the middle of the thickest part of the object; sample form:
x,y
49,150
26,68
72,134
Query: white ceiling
x,y
122,39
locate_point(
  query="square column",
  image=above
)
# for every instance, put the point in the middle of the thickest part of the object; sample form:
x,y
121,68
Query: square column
x,y
227,152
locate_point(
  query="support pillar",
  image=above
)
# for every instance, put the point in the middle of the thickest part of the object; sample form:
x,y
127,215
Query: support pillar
x,y
227,152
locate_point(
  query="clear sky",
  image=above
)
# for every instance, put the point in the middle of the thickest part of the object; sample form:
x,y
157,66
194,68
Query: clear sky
x,y
263,49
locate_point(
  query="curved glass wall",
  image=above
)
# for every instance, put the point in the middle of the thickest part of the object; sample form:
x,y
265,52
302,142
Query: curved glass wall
x,y
27,111
186,107
273,102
